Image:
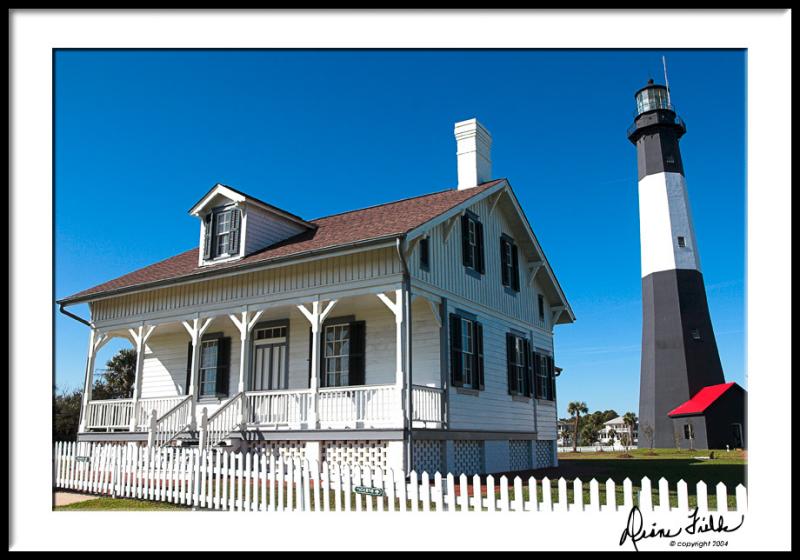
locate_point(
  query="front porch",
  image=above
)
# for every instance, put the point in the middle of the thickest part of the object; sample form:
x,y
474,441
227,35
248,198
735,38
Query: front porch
x,y
298,367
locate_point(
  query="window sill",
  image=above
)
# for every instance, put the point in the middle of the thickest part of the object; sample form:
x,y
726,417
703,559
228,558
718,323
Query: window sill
x,y
520,398
467,391
472,272
210,400
538,400
510,291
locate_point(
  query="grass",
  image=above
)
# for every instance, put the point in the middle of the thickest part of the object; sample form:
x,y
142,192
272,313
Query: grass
x,y
120,504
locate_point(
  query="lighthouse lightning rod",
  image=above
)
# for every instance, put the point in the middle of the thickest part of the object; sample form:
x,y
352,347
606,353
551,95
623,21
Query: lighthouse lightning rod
x,y
666,81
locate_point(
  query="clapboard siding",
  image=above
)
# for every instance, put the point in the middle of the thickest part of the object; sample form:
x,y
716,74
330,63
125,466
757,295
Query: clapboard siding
x,y
164,369
264,229
546,420
318,273
426,355
493,408
447,270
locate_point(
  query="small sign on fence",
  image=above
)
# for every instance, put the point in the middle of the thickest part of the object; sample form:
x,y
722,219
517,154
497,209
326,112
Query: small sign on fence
x,y
368,491
82,459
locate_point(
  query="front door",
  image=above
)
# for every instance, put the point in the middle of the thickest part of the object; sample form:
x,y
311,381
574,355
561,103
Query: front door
x,y
269,360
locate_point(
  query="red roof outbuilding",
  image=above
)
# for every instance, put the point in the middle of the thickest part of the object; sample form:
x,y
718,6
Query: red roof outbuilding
x,y
704,398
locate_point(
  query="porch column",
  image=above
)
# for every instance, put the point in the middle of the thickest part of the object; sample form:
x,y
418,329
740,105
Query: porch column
x,y
96,341
139,337
398,307
195,329
245,323
316,318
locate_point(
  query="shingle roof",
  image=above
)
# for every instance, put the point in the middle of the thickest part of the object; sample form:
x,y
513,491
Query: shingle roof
x,y
376,222
704,398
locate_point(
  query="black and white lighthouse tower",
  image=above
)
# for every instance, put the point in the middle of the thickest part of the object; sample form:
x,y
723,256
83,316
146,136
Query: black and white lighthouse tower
x,y
679,351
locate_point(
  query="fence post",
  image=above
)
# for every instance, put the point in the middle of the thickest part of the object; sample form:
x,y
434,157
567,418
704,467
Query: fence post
x,y
115,479
203,433
151,432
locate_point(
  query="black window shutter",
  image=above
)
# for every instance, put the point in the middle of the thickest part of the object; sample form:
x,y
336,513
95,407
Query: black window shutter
x,y
223,365
551,378
512,374
424,254
478,353
504,262
209,221
537,364
479,241
456,371
514,268
357,348
466,250
188,370
528,369
236,222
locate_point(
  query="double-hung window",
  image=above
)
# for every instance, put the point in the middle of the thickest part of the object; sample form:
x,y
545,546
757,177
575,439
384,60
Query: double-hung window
x,y
472,242
509,263
466,352
222,232
544,373
518,352
213,368
343,351
337,353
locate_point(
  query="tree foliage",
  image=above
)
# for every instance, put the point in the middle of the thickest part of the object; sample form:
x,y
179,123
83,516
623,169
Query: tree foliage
x,y
66,415
118,379
116,383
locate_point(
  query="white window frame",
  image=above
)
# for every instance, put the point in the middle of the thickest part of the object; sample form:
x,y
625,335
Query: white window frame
x,y
341,375
467,352
205,369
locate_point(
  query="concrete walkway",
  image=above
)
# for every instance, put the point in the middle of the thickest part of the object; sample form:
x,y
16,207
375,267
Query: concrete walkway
x,y
66,498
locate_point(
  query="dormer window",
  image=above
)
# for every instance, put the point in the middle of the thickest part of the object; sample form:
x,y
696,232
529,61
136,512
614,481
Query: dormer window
x,y
222,232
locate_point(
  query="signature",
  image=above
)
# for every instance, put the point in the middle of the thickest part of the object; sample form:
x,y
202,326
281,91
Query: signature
x,y
635,527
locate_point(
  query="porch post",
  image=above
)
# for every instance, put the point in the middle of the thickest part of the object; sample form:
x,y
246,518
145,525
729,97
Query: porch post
x,y
398,307
245,326
139,337
195,329
96,341
315,317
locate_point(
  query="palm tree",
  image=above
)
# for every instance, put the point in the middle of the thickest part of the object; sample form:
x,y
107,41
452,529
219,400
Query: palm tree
x,y
629,420
574,409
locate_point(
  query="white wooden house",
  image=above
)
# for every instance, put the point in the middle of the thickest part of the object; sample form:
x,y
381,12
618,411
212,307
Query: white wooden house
x,y
413,333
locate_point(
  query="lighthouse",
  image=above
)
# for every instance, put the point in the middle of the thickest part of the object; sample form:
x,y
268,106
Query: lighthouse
x,y
679,351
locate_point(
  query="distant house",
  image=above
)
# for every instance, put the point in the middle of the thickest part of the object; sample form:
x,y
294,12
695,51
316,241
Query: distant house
x,y
617,426
417,333
712,419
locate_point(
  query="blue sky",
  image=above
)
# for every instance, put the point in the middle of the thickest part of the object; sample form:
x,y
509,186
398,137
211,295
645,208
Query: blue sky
x,y
141,135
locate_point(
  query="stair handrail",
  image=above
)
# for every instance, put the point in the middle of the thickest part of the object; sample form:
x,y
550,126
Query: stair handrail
x,y
172,424
224,421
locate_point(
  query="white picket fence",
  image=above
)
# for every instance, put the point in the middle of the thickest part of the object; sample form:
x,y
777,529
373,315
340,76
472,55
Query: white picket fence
x,y
260,481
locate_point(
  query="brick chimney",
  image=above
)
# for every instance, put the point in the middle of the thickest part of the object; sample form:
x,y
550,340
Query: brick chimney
x,y
473,150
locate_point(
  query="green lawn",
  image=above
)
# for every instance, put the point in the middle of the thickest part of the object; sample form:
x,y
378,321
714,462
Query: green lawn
x,y
119,504
729,468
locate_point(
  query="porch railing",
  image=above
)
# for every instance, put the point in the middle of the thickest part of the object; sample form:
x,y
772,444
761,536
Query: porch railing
x,y
225,420
173,422
278,408
161,405
112,414
359,407
428,404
